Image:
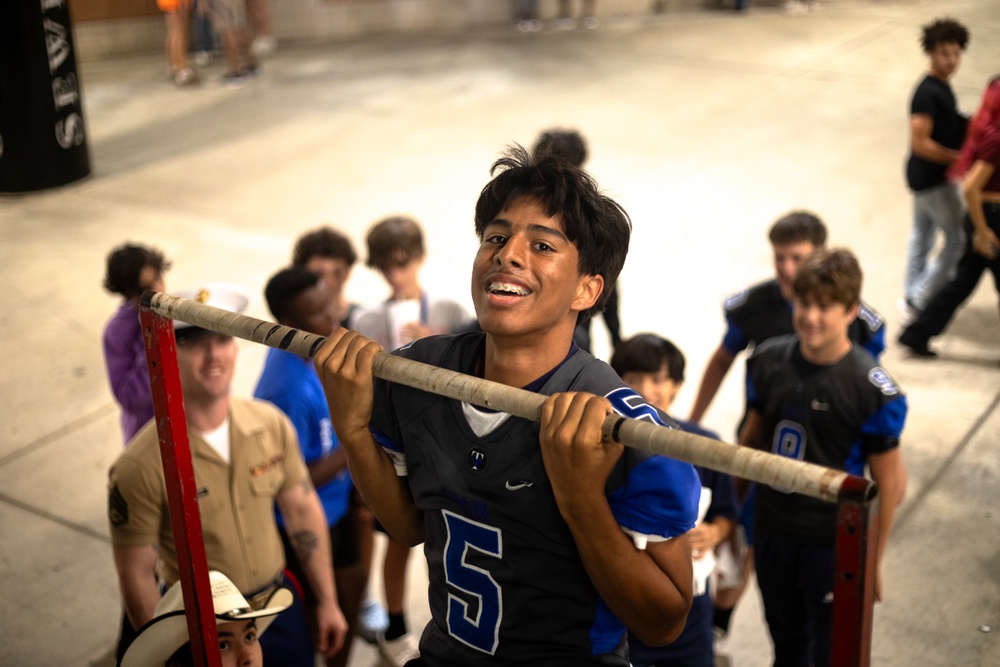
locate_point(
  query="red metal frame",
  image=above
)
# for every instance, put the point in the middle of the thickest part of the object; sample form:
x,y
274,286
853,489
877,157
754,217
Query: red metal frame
x,y
178,471
856,545
854,577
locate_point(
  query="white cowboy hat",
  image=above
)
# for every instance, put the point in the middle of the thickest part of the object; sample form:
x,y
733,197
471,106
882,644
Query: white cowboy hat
x,y
161,637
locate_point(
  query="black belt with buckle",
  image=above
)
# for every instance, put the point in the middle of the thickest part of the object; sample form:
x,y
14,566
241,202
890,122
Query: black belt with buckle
x,y
259,597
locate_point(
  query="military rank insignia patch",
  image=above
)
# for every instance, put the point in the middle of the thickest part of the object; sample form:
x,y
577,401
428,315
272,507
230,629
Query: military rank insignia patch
x,y
117,507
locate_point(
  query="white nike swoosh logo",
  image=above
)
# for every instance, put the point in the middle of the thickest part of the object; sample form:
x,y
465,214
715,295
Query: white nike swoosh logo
x,y
520,485
816,405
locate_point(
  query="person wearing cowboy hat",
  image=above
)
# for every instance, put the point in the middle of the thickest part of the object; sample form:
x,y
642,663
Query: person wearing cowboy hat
x,y
246,458
165,640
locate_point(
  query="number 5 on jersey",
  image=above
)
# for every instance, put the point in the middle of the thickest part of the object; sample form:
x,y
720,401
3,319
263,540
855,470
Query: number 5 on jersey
x,y
478,628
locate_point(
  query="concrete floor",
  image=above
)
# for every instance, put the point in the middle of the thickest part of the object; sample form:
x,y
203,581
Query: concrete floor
x,y
705,126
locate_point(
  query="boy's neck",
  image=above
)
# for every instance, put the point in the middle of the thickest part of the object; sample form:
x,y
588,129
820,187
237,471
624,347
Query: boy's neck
x,y
517,362
827,355
207,416
408,293
943,78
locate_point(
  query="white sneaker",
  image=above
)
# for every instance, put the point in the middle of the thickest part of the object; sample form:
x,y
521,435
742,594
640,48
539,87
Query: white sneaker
x,y
185,77
202,58
263,46
591,22
397,652
373,620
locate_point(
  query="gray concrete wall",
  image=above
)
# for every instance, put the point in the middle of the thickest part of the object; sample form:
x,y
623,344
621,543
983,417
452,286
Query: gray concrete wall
x,y
345,19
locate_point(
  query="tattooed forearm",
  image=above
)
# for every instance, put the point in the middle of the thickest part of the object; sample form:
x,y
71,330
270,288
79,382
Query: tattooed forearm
x,y
305,543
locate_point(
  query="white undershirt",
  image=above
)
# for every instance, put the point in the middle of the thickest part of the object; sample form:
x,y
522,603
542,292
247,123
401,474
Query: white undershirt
x,y
218,439
482,422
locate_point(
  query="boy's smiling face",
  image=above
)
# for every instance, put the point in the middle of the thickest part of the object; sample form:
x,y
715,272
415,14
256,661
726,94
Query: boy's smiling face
x,y
822,326
526,278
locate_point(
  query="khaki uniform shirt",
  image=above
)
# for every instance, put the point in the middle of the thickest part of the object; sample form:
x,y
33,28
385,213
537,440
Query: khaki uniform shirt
x,y
236,501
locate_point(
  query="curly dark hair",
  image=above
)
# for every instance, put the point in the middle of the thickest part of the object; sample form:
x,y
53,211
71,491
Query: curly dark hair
x,y
648,353
124,265
323,242
567,144
284,287
944,31
598,226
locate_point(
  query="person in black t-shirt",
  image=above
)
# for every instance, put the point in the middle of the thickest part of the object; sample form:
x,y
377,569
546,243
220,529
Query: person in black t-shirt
x,y
572,147
937,130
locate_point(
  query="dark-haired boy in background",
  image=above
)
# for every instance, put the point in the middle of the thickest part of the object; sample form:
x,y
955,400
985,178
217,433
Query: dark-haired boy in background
x,y
542,541
937,130
654,367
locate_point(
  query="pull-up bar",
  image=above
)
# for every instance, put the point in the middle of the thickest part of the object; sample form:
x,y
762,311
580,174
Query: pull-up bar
x,y
855,496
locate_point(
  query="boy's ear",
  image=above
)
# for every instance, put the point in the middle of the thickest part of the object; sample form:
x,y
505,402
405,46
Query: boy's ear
x,y
852,312
588,291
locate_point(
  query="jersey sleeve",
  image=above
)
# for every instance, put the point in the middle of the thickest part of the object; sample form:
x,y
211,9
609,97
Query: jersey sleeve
x,y
753,394
658,499
384,424
874,328
882,430
736,339
392,448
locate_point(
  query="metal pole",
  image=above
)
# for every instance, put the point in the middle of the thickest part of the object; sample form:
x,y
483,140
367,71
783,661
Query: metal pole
x,y
178,473
764,467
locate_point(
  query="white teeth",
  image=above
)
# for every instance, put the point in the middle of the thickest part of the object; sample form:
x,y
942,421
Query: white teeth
x,y
507,288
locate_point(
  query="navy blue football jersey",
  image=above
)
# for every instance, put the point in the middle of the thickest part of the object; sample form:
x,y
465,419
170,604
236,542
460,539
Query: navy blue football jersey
x,y
759,313
834,416
507,585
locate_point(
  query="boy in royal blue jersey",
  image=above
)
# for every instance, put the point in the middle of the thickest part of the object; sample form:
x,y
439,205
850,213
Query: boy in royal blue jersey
x,y
542,541
654,367
816,396
300,298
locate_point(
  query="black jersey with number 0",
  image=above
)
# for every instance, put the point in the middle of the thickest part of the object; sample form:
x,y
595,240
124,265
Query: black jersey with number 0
x,y
507,585
834,416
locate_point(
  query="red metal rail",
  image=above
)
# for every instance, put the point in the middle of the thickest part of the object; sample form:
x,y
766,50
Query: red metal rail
x,y
856,544
182,492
